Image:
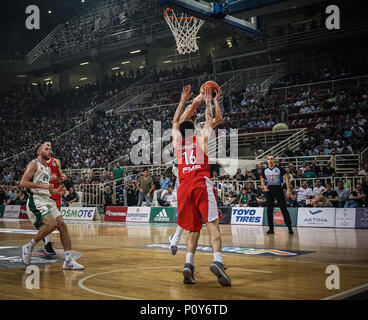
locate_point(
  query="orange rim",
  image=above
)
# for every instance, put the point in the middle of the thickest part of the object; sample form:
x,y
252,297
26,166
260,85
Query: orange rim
x,y
176,18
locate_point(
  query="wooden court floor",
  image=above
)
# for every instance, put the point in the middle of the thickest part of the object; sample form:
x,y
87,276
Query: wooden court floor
x,y
120,264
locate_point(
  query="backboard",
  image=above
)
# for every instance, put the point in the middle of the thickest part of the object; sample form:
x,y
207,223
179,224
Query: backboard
x,y
219,12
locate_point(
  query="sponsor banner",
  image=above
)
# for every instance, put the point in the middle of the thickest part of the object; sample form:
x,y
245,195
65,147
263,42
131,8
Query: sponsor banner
x,y
226,215
23,212
345,218
2,209
239,250
361,219
163,214
115,213
247,215
78,213
11,211
316,217
278,218
138,214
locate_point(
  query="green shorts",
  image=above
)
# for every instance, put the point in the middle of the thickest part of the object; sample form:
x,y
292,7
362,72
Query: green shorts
x,y
39,206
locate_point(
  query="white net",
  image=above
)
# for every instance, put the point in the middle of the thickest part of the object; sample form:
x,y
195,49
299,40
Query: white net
x,y
184,30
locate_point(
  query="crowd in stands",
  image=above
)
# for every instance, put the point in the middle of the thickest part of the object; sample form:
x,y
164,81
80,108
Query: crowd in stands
x,y
110,21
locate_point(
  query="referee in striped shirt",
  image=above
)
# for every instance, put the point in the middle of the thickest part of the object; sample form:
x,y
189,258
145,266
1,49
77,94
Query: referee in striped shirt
x,y
271,181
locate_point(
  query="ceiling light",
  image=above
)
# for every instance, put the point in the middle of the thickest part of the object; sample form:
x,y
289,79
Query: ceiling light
x,y
84,63
115,68
125,62
83,79
167,61
136,51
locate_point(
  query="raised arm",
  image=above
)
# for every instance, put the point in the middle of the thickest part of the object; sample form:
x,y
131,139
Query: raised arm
x,y
185,96
218,113
188,113
206,132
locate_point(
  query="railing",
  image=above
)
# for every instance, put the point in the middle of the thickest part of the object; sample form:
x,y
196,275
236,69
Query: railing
x,y
119,97
363,156
328,84
93,193
346,163
89,172
291,143
34,54
297,38
271,79
321,161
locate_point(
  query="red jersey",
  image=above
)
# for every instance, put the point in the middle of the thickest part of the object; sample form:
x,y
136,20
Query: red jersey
x,y
193,163
197,198
54,170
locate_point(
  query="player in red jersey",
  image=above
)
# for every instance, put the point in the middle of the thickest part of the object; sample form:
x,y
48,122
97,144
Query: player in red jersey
x,y
196,193
56,176
191,113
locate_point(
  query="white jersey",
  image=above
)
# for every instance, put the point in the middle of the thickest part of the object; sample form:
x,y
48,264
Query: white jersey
x,y
41,176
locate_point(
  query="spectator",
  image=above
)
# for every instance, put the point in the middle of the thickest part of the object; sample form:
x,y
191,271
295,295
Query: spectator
x,y
131,193
261,197
318,189
118,172
329,198
365,185
73,196
328,170
165,182
364,171
12,194
145,186
244,198
168,199
291,199
21,197
3,195
308,173
229,199
342,193
156,182
107,197
357,198
238,176
303,194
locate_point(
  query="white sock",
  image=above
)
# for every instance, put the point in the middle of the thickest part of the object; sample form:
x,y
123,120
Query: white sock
x,y
176,237
189,258
47,239
31,244
217,256
68,255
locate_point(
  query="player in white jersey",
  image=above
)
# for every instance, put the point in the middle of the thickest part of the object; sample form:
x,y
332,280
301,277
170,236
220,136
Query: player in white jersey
x,y
42,210
191,113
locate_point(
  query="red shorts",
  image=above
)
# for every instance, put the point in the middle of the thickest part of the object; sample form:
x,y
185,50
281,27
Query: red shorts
x,y
57,199
196,202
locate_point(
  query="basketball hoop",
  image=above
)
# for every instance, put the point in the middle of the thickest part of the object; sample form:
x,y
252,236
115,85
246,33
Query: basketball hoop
x,y
184,29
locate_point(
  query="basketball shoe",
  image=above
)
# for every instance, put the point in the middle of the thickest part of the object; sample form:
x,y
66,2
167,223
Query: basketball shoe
x,y
26,254
219,270
188,273
173,247
49,250
72,265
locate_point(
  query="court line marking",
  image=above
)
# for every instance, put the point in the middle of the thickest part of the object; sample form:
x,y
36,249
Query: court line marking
x,y
82,286
21,231
347,293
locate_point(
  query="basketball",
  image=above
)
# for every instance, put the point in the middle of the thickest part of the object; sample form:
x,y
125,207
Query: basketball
x,y
212,84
